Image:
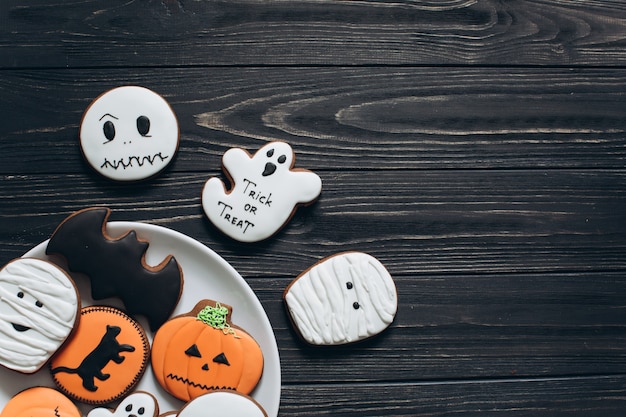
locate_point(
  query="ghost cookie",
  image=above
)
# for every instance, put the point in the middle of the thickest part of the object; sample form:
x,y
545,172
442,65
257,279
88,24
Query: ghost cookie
x,y
222,403
104,359
40,402
129,133
116,265
342,299
202,351
266,191
137,404
38,310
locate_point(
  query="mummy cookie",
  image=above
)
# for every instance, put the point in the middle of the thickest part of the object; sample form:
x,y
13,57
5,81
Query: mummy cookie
x,y
40,402
342,299
129,133
222,403
104,359
202,351
116,265
38,309
137,404
265,193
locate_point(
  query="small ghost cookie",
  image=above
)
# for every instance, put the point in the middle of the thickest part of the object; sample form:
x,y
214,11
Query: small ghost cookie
x,y
40,402
104,359
38,310
342,299
137,404
129,133
222,403
202,351
266,192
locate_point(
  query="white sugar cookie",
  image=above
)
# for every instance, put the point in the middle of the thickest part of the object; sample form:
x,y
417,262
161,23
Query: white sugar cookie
x,y
266,192
129,133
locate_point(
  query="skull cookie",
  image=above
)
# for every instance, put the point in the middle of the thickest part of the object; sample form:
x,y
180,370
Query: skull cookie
x,y
266,191
129,133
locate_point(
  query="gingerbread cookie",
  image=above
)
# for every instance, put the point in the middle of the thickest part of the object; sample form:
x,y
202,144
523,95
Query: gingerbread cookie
x,y
116,265
202,351
104,359
38,310
265,194
137,404
40,402
129,133
222,403
342,299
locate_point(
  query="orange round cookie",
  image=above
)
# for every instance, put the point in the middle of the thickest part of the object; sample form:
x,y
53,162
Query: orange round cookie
x,y
202,351
104,359
40,402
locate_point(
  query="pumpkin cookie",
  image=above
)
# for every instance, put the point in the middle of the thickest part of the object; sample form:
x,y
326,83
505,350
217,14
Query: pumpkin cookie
x,y
202,351
38,310
104,359
40,402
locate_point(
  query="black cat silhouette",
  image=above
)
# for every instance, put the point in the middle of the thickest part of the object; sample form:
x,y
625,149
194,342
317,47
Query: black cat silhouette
x,y
108,349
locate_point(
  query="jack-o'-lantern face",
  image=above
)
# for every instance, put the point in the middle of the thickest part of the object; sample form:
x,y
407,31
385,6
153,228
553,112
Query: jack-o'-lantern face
x,y
129,133
190,357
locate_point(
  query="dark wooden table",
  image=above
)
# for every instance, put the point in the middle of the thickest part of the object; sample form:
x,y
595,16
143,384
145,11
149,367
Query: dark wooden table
x,y
476,147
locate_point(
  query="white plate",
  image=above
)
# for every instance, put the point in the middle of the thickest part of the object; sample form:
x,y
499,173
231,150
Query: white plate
x,y
206,275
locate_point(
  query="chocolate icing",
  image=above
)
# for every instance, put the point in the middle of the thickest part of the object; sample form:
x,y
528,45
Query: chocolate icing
x,y
116,266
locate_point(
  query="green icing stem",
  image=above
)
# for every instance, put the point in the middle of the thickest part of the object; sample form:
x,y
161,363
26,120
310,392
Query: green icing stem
x,y
216,318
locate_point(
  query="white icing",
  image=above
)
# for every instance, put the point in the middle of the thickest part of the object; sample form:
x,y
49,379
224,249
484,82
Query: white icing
x,y
38,295
258,205
133,153
223,404
140,404
321,303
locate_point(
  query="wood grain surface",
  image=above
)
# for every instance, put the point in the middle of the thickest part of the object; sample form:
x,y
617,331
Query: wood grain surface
x,y
477,148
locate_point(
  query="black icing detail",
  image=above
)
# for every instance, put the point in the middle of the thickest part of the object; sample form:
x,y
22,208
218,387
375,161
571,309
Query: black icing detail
x,y
205,367
270,153
349,285
109,130
270,168
141,411
196,385
193,351
221,358
38,303
282,159
115,266
19,327
356,305
133,161
129,408
143,125
20,294
108,349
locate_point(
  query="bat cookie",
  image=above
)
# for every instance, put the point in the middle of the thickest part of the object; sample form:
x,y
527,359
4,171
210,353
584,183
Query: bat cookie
x,y
38,310
342,299
116,265
265,194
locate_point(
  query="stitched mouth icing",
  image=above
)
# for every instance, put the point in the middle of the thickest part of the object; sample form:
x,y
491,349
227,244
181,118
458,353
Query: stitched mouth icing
x,y
133,161
196,385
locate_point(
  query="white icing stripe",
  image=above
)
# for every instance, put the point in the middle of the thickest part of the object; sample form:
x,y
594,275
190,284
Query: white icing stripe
x,y
345,298
38,309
